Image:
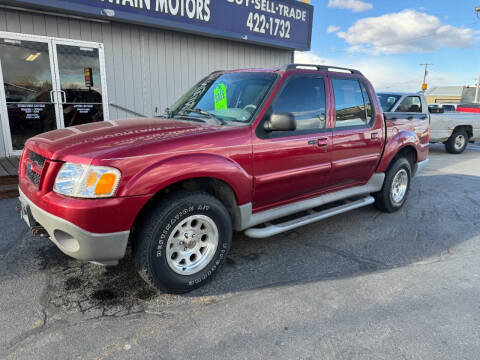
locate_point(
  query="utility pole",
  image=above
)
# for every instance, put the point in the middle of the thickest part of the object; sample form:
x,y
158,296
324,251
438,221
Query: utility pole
x,y
424,84
477,90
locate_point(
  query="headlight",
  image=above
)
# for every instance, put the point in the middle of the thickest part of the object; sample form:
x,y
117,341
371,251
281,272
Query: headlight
x,y
86,181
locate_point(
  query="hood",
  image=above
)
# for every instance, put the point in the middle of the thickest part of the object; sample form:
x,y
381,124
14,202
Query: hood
x,y
101,139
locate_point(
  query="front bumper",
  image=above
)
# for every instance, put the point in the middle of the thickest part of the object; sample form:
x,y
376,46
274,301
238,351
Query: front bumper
x,y
78,243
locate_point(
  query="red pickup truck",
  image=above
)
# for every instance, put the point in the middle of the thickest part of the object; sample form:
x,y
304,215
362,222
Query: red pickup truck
x,y
240,151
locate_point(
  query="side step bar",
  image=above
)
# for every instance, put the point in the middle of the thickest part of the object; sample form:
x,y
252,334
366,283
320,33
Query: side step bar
x,y
274,229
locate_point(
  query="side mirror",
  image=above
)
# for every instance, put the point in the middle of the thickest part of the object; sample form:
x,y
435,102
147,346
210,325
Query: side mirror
x,y
281,122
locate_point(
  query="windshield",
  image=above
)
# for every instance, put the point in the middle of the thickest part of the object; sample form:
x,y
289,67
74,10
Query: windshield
x,y
230,97
388,101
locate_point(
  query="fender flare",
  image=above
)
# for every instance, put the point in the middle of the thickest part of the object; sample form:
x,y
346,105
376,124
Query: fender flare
x,y
164,173
395,144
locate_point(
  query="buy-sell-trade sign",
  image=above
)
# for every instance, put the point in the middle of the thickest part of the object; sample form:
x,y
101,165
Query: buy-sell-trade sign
x,y
279,23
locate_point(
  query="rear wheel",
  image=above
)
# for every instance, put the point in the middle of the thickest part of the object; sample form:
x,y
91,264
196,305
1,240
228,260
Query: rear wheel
x,y
396,186
457,143
181,243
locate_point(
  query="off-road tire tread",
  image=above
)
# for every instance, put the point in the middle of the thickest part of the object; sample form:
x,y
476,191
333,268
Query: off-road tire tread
x,y
450,143
382,198
147,226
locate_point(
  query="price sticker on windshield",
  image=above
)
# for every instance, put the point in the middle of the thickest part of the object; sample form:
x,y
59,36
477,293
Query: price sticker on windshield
x,y
220,95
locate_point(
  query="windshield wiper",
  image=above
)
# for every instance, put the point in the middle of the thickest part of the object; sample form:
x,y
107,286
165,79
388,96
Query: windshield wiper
x,y
205,113
192,118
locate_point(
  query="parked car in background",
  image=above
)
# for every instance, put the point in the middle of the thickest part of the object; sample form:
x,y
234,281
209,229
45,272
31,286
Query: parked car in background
x,y
455,129
472,108
445,107
260,151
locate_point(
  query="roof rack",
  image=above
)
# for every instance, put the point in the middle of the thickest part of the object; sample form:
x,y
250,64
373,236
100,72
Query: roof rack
x,y
321,68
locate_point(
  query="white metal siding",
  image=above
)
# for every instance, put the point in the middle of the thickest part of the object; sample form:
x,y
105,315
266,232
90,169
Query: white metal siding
x,y
147,68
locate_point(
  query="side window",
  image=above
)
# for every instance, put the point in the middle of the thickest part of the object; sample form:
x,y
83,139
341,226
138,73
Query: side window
x,y
349,103
410,104
304,97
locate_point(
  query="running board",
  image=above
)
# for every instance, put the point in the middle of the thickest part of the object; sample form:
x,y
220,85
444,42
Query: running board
x,y
314,216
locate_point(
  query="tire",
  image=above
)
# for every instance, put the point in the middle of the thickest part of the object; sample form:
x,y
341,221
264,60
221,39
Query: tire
x,y
457,143
197,221
395,187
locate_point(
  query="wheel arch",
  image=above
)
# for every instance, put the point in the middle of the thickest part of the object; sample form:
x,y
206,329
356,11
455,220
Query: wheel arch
x,y
467,128
403,144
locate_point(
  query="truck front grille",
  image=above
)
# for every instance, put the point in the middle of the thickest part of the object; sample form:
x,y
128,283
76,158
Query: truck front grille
x,y
34,167
40,160
33,176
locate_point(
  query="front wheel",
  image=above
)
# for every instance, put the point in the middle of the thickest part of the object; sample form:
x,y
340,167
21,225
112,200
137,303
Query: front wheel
x,y
182,242
395,188
457,143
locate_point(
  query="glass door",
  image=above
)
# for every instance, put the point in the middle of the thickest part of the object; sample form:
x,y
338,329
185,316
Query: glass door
x,y
28,92
80,75
48,83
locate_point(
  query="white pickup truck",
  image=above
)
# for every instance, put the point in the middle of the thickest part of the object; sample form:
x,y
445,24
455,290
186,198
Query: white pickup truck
x,y
454,129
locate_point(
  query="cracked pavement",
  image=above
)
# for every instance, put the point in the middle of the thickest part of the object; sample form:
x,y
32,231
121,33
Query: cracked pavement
x,y
364,285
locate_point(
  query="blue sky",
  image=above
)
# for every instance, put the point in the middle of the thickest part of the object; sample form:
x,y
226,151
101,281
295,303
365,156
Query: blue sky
x,y
388,39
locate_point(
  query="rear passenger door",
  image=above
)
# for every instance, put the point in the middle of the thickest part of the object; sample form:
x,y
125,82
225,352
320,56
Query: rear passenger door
x,y
358,136
289,164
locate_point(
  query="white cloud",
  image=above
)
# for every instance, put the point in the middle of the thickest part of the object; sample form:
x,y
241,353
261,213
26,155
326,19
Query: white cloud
x,y
309,57
354,5
403,32
333,28
386,73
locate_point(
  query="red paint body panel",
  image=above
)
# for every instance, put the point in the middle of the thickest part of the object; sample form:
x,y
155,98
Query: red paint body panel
x,y
152,154
402,133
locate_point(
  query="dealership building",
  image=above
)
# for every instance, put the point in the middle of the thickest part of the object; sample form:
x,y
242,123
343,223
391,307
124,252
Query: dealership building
x,y
70,62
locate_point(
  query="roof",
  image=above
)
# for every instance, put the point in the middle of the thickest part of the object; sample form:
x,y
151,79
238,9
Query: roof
x,y
445,91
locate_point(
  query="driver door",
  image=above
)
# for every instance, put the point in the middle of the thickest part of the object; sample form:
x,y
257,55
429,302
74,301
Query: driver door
x,y
293,164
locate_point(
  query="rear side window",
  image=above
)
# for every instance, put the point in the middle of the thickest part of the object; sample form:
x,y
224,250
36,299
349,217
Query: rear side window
x,y
410,104
368,103
304,97
350,108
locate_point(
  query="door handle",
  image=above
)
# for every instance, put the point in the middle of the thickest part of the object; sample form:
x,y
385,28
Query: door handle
x,y
63,96
323,144
375,136
51,97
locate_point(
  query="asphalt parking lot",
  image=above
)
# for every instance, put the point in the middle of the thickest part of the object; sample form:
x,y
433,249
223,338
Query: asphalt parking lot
x,y
364,285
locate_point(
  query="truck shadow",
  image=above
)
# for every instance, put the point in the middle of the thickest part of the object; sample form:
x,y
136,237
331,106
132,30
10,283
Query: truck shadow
x,y
440,216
